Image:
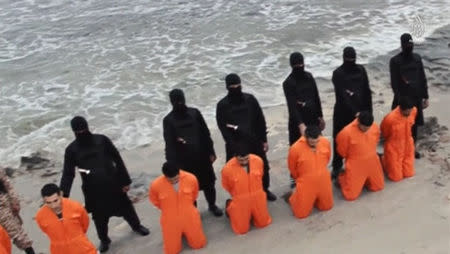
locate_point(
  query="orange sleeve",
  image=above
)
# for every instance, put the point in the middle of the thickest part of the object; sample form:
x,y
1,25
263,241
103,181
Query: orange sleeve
x,y
195,188
260,164
413,114
292,160
84,219
328,147
153,195
386,127
376,133
38,219
5,240
342,143
225,181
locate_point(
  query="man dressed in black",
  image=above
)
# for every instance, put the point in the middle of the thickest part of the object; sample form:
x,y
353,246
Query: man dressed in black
x,y
302,98
408,79
105,180
353,95
240,119
190,147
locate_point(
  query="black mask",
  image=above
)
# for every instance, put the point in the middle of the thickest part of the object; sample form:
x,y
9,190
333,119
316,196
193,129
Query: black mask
x,y
84,138
349,56
235,94
178,101
407,44
81,130
298,71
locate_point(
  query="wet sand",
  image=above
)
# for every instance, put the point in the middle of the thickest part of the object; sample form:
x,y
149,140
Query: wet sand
x,y
412,216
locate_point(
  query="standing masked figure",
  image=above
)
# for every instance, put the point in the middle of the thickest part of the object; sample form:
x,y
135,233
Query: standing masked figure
x,y
353,95
189,145
105,180
302,98
303,101
240,119
408,79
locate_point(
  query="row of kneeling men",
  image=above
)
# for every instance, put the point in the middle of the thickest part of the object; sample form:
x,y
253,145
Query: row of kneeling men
x,y
175,192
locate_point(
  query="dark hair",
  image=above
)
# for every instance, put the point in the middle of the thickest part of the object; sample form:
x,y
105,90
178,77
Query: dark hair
x,y
50,189
170,169
176,96
312,131
349,52
232,79
296,58
365,118
405,103
241,149
79,123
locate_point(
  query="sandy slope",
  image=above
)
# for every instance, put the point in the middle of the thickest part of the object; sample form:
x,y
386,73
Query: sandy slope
x,y
412,216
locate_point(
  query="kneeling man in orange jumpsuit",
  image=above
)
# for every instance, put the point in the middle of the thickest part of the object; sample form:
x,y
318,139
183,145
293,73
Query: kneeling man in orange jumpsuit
x,y
174,194
357,144
65,222
242,178
398,158
308,159
5,242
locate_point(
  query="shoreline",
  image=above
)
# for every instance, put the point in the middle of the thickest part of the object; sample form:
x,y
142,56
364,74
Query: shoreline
x,y
412,216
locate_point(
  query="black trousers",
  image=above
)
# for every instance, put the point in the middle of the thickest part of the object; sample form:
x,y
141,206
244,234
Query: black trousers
x,y
257,151
101,220
414,132
210,194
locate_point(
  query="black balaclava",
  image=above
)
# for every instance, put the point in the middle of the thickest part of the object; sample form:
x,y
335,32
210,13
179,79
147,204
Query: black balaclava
x,y
81,130
349,56
178,101
407,44
235,94
297,64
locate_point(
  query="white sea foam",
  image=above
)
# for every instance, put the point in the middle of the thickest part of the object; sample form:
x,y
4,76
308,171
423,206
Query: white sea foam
x,y
115,62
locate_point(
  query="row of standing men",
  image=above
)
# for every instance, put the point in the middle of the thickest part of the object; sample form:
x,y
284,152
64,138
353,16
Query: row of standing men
x,y
242,124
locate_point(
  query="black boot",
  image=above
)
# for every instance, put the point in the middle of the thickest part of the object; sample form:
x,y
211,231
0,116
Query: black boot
x,y
215,211
143,231
29,250
104,246
417,155
270,196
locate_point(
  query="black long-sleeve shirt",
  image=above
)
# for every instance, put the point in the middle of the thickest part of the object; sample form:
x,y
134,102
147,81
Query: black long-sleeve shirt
x,y
408,76
302,97
246,114
352,90
107,155
197,131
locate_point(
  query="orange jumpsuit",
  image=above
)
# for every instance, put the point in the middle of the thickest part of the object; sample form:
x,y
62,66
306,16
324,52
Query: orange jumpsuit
x,y
67,235
398,159
179,216
313,181
362,165
249,200
5,242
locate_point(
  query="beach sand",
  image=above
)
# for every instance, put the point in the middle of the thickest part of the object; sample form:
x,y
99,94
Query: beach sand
x,y
412,216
